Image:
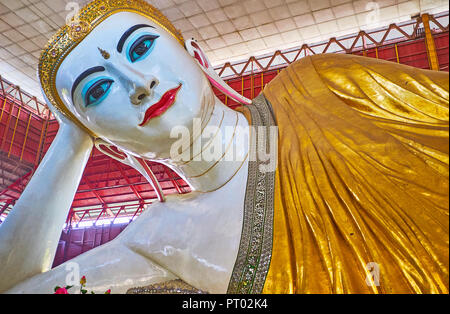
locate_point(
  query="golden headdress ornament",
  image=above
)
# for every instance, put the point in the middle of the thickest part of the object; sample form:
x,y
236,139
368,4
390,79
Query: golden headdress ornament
x,y
69,36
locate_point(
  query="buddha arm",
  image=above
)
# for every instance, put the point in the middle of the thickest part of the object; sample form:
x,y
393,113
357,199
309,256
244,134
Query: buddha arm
x,y
111,266
29,236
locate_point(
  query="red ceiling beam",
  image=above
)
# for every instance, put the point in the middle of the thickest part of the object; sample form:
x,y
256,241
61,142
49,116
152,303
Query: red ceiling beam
x,y
124,175
174,182
5,207
18,182
118,213
98,196
137,211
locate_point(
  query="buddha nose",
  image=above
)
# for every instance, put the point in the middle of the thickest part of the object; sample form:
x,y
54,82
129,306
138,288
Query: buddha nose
x,y
143,91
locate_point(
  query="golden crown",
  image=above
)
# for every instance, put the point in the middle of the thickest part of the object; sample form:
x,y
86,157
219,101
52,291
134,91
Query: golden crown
x,y
70,35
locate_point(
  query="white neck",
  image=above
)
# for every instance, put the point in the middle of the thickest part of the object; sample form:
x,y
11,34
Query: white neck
x,y
218,149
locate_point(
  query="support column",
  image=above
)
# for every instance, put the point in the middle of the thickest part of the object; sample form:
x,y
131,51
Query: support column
x,y
431,47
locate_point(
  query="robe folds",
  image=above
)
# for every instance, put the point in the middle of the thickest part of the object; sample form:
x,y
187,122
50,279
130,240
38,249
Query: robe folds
x,y
361,197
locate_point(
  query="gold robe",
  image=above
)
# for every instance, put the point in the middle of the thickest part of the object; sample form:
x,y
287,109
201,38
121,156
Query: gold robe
x,y
362,178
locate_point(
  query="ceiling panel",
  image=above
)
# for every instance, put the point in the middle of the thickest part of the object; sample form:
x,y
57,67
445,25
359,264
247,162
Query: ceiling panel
x,y
229,30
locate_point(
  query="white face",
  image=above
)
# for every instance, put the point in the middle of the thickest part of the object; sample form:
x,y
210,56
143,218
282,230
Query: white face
x,y
147,86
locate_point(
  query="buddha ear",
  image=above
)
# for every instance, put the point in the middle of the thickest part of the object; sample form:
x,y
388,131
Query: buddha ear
x,y
137,163
197,53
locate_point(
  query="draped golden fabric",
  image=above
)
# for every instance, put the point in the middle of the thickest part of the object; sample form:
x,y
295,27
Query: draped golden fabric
x,y
362,177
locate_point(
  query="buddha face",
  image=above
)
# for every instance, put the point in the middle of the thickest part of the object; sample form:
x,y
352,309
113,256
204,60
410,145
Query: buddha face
x,y
131,83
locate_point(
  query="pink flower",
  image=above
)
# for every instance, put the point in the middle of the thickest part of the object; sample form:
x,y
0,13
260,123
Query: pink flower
x,y
61,291
83,281
108,291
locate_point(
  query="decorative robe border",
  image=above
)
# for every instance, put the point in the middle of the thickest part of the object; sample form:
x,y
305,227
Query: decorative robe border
x,y
255,250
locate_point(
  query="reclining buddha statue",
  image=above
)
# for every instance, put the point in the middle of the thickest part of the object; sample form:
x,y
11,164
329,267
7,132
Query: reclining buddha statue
x,y
333,180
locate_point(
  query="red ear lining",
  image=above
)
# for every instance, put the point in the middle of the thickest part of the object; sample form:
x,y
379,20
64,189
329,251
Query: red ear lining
x,y
194,44
113,151
198,54
199,59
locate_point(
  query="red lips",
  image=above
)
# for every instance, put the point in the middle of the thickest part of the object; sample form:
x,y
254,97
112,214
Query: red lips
x,y
161,106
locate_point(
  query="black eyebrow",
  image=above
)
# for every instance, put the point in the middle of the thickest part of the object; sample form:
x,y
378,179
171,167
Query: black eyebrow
x,y
127,34
83,75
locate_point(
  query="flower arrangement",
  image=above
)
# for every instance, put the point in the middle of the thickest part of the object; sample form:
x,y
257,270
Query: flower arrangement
x,y
65,290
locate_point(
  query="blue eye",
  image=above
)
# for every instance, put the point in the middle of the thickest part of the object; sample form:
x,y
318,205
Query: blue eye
x,y
96,91
141,48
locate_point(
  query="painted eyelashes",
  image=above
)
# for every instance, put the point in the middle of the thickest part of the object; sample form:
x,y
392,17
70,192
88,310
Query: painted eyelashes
x,y
96,91
141,48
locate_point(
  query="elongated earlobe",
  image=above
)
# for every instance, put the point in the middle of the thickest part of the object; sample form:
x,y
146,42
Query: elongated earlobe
x,y
137,163
197,53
